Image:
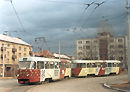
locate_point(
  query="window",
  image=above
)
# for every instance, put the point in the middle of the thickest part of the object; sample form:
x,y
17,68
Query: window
x,y
113,65
56,65
47,65
111,46
89,65
51,65
87,47
40,65
8,53
95,41
79,42
94,65
24,49
82,65
109,65
19,54
8,68
80,53
62,65
67,65
8,45
80,48
20,48
24,54
112,40
104,65
7,60
120,40
87,42
120,46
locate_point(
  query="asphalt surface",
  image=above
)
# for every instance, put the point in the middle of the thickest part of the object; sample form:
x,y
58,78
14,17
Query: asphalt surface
x,y
90,84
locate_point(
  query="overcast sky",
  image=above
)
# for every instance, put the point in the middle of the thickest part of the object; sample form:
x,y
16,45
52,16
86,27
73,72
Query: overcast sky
x,y
62,20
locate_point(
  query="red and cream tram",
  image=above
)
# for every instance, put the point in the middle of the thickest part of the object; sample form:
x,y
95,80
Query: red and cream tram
x,y
95,67
40,69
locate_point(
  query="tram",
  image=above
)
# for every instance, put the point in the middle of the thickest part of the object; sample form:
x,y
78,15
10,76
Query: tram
x,y
82,68
40,69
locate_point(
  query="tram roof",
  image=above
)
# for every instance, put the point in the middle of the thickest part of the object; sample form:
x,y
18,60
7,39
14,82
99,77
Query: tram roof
x,y
94,61
38,59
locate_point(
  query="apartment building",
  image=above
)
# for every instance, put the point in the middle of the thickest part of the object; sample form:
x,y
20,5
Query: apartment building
x,y
105,47
11,49
88,49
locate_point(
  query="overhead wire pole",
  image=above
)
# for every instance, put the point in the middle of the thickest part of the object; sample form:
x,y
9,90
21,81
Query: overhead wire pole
x,y
128,41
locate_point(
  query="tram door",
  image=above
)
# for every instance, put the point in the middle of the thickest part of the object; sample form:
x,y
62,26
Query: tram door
x,y
62,69
56,71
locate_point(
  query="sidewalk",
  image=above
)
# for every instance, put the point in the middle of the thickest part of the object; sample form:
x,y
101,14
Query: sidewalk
x,y
4,78
120,85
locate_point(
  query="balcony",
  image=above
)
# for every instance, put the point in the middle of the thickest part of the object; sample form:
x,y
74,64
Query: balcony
x,y
14,57
14,50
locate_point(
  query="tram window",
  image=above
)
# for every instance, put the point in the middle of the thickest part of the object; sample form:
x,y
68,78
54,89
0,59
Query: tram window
x,y
88,65
94,65
114,65
34,65
67,65
63,65
47,65
98,65
109,65
74,65
82,65
104,64
60,64
40,65
51,65
56,65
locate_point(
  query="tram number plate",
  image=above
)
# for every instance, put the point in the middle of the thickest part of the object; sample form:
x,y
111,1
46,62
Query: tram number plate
x,y
56,72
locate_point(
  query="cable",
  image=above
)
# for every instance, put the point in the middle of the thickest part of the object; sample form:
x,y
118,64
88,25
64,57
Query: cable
x,y
16,13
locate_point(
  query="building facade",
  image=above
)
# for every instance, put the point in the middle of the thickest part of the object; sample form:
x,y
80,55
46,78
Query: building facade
x,y
11,49
105,47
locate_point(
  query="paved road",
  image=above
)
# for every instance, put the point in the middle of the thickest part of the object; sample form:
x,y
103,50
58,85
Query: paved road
x,y
11,85
91,84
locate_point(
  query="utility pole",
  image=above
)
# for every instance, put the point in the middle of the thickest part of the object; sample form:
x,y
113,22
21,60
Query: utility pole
x,y
128,41
3,72
59,50
40,41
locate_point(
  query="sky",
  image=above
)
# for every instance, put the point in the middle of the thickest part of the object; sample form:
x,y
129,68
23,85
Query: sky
x,y
60,20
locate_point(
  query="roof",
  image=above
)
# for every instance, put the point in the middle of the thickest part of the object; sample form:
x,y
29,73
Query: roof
x,y
13,39
61,56
44,53
28,59
94,61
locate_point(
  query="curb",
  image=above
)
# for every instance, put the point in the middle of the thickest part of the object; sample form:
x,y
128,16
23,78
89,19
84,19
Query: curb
x,y
107,86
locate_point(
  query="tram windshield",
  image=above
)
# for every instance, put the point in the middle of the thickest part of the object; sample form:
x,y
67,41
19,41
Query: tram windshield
x,y
27,65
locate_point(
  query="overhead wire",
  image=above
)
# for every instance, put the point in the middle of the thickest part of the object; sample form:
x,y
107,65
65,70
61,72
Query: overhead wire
x,y
17,15
93,12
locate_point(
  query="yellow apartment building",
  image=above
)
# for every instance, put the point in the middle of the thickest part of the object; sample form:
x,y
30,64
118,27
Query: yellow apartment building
x,y
11,49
